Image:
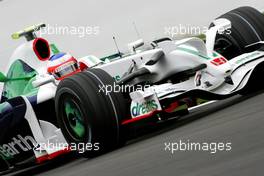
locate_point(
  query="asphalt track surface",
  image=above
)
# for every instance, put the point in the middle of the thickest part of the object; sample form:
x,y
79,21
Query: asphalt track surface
x,y
238,120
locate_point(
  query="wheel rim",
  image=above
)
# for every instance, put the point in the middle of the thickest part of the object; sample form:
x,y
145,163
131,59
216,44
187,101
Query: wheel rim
x,y
73,119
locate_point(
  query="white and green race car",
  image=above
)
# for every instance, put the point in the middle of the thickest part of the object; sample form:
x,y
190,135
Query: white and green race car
x,y
53,103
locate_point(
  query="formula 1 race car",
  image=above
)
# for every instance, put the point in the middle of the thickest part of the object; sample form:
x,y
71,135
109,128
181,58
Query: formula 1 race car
x,y
53,103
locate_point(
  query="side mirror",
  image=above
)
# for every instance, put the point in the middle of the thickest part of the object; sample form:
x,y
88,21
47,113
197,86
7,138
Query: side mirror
x,y
221,25
134,45
3,78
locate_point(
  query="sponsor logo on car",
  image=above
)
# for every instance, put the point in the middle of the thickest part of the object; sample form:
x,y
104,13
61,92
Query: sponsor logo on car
x,y
219,61
17,145
143,108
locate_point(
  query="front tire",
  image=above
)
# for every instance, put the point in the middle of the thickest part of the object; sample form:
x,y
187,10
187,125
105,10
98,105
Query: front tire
x,y
86,115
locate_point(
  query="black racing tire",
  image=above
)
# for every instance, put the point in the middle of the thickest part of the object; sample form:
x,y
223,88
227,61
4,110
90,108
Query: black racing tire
x,y
87,115
255,82
120,102
255,17
247,28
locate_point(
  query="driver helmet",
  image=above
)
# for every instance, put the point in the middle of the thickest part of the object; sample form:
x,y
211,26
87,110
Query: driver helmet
x,y
62,65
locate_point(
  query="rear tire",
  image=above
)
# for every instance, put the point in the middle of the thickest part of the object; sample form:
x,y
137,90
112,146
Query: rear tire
x,y
86,115
247,28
